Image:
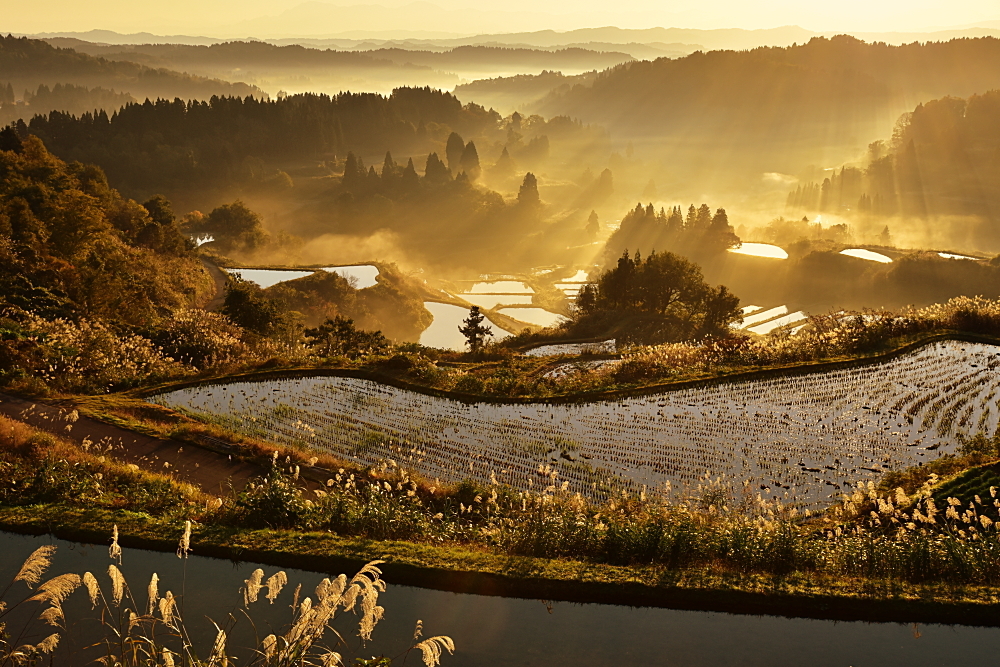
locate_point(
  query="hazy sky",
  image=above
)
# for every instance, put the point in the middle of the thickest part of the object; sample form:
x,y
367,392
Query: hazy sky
x,y
275,18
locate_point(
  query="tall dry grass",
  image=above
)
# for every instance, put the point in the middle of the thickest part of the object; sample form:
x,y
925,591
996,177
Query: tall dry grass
x,y
151,632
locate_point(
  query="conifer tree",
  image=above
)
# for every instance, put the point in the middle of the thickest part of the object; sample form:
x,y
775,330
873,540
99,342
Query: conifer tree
x,y
470,161
504,166
453,152
528,194
410,180
593,225
474,330
389,168
435,170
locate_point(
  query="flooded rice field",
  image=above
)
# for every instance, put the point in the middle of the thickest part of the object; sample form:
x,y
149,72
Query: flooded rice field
x,y
759,315
268,277
364,274
443,331
488,301
870,255
800,438
602,347
778,322
760,250
537,316
500,287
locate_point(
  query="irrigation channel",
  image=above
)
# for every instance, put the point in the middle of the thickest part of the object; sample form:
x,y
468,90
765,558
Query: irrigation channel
x,y
799,438
509,631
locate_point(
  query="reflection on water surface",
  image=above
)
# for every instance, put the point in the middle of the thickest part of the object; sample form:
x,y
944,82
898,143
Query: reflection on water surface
x,y
508,631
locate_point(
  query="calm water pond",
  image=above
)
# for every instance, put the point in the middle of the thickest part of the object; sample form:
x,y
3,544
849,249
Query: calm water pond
x,y
443,331
516,632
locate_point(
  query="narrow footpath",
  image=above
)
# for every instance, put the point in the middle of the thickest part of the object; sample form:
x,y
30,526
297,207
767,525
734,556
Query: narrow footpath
x,y
213,472
219,278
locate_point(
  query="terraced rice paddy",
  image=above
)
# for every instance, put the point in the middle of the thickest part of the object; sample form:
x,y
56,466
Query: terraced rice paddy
x,y
602,347
488,301
760,250
364,274
501,287
799,438
778,322
537,316
870,255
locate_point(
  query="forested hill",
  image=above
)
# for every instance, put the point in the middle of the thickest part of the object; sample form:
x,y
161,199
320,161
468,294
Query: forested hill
x,y
228,140
71,246
229,55
773,107
495,57
942,160
28,63
253,54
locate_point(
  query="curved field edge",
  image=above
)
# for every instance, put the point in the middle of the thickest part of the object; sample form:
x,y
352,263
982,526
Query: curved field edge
x,y
768,372
463,570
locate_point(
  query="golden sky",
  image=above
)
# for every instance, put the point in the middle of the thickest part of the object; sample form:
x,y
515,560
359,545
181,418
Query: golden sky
x,y
278,18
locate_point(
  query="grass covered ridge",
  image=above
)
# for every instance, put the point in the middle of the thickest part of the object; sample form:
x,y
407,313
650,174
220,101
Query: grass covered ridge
x,y
470,570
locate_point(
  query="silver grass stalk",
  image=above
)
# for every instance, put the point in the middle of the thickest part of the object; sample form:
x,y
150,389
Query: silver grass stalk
x,y
184,546
331,659
269,644
115,551
57,589
53,616
167,606
153,591
48,644
117,584
433,648
93,588
34,567
253,586
274,585
219,656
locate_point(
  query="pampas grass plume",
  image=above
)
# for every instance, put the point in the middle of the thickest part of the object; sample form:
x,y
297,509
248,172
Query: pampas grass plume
x,y
34,567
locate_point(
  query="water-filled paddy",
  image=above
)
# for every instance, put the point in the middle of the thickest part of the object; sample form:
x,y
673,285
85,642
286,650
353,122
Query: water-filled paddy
x,y
365,275
538,316
759,316
579,277
511,631
268,277
602,347
501,287
760,250
801,437
870,255
949,255
493,300
785,320
443,331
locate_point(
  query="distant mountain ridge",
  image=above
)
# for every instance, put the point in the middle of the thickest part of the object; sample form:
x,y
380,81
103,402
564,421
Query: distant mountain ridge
x,y
28,63
678,38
